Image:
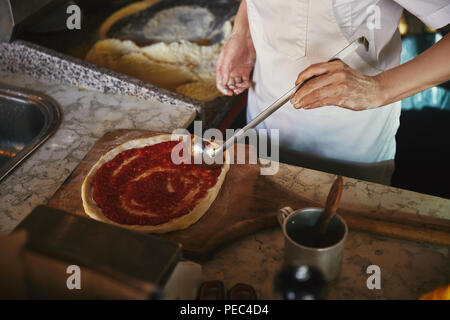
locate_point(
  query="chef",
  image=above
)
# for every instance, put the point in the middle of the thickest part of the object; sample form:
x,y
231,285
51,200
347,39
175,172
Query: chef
x,y
344,120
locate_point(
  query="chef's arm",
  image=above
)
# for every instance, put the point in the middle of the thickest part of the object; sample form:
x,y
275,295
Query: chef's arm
x,y
241,25
340,85
236,59
427,70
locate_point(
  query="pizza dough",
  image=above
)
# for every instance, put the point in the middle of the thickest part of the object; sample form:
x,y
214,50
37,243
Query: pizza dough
x,y
200,90
180,66
94,211
124,12
170,66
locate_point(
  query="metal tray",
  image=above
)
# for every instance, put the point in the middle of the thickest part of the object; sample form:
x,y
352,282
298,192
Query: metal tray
x,y
27,119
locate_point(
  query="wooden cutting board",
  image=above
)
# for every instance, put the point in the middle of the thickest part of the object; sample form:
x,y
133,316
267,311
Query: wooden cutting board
x,y
235,212
247,203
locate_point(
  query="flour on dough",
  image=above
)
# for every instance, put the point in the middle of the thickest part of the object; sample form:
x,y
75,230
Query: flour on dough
x,y
181,66
179,23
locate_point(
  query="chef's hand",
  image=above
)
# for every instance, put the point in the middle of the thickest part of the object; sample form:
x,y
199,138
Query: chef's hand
x,y
336,84
234,65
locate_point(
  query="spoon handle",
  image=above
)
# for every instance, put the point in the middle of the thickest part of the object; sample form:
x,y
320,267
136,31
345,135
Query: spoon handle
x,y
334,196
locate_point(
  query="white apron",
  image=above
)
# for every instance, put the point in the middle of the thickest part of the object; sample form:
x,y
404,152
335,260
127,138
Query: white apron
x,y
290,35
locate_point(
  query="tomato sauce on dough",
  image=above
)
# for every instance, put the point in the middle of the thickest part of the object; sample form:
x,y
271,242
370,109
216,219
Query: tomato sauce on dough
x,y
142,186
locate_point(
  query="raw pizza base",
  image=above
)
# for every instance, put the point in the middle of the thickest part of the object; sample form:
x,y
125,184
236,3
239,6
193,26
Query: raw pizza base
x,y
180,223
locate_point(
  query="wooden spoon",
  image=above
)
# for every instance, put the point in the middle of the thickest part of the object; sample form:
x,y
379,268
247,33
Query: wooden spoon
x,y
334,196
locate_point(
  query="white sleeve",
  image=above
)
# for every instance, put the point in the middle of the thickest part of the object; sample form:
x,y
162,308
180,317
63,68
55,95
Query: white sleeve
x,y
434,13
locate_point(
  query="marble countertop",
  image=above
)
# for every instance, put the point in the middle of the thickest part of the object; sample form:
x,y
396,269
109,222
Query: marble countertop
x,y
86,116
43,63
408,268
46,64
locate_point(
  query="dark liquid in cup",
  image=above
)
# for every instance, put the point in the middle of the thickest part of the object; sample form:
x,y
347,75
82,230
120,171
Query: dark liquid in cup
x,y
309,236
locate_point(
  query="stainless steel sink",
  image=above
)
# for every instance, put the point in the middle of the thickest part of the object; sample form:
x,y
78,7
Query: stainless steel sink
x,y
27,119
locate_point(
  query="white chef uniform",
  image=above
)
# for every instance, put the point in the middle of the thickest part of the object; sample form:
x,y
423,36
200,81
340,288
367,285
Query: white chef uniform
x,y
290,35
